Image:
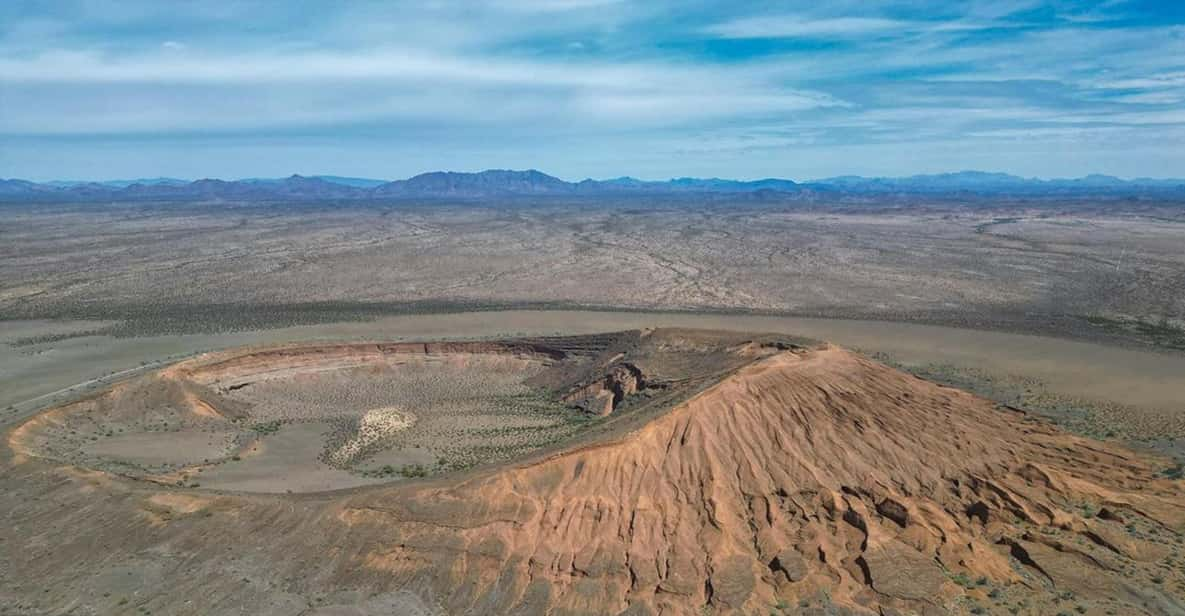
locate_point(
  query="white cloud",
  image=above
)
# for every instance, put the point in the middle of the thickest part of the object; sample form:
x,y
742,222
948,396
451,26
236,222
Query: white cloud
x,y
183,91
1171,97
69,66
798,27
611,75
552,6
1162,80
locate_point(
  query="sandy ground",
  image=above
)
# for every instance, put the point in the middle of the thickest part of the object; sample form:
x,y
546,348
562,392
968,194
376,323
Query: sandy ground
x,y
1080,369
162,448
281,463
175,265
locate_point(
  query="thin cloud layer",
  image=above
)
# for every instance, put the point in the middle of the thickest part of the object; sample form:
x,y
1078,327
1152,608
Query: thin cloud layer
x,y
590,87
783,26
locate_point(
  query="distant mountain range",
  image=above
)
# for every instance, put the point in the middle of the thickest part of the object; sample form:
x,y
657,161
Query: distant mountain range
x,y
496,183
121,183
980,181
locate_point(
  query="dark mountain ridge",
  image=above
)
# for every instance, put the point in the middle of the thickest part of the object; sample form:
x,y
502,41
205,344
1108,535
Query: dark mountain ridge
x,y
497,183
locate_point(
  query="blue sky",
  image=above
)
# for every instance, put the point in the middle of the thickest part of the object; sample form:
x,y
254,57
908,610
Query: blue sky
x,y
94,89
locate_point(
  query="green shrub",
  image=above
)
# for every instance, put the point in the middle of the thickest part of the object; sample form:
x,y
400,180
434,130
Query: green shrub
x,y
413,470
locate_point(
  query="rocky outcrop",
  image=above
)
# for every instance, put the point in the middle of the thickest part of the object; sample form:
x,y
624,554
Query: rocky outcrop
x,y
603,395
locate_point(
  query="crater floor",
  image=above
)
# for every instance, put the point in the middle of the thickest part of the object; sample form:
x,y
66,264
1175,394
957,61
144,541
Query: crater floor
x,y
315,418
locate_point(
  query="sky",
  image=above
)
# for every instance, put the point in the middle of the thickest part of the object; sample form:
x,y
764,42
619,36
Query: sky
x,y
109,89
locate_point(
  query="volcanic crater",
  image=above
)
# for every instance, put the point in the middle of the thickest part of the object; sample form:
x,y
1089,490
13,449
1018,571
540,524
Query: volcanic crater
x,y
643,472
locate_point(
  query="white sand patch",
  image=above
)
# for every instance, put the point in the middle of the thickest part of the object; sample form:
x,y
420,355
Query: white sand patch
x,y
374,426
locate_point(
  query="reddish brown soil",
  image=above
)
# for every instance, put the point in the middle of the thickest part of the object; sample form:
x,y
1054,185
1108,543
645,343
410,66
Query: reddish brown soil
x,y
738,475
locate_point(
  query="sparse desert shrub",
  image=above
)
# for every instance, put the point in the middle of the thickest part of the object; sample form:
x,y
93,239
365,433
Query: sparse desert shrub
x,y
267,427
1174,472
961,579
413,470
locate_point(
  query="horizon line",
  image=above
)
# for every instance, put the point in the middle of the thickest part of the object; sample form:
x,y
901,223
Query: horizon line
x,y
605,179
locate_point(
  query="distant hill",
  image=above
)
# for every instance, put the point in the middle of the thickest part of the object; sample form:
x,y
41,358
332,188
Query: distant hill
x,y
355,182
494,182
120,183
996,184
502,183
